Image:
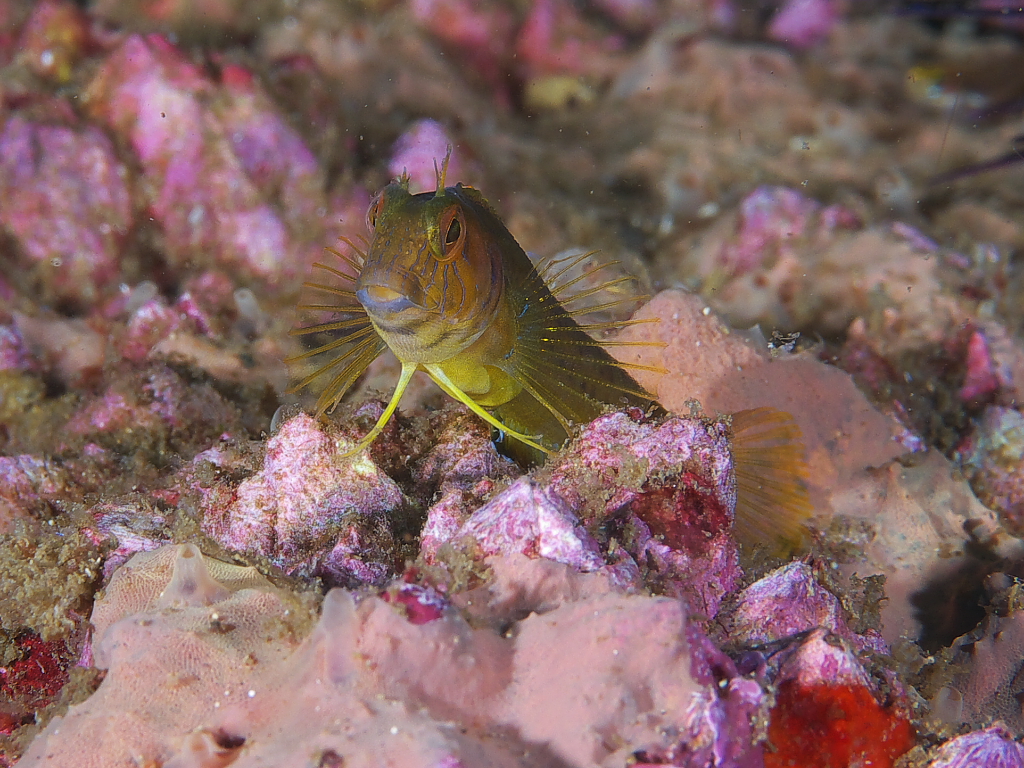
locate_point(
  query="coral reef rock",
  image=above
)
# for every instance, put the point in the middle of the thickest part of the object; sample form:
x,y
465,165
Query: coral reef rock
x,y
208,665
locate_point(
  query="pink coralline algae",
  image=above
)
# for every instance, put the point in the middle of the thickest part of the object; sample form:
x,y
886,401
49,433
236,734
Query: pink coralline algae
x,y
533,521
421,604
668,491
270,152
154,407
456,474
310,510
418,153
993,747
554,40
828,710
769,218
149,324
134,528
981,379
26,484
259,206
802,23
64,198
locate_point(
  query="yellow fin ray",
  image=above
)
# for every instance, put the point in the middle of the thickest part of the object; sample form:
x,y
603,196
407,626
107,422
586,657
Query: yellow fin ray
x,y
336,325
369,351
350,338
335,271
334,363
608,361
772,502
550,263
360,252
606,305
558,291
596,289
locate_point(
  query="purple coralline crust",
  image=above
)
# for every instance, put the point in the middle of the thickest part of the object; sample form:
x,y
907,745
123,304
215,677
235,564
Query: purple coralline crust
x,y
133,531
155,404
771,218
993,747
790,601
112,411
421,604
702,580
25,482
64,198
463,459
14,354
456,473
667,490
444,519
784,603
613,446
185,128
309,510
991,457
531,520
271,153
672,487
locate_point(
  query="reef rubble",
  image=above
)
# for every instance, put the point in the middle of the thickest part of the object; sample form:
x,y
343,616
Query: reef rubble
x,y
195,572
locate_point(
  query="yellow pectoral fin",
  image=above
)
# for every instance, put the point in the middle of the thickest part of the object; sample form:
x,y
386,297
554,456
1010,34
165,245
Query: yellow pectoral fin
x,y
403,381
445,383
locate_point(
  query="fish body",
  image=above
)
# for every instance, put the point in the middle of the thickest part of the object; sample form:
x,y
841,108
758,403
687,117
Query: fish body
x,y
445,286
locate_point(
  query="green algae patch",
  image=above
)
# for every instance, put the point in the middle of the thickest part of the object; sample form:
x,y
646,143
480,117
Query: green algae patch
x,y
47,581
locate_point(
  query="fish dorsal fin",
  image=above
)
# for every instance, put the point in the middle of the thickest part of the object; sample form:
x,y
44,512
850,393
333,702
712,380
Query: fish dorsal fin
x,y
772,502
442,172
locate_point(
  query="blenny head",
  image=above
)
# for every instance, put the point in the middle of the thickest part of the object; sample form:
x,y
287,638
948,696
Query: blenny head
x,y
432,280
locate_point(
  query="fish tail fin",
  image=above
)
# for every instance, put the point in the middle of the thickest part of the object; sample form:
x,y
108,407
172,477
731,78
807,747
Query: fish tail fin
x,y
772,502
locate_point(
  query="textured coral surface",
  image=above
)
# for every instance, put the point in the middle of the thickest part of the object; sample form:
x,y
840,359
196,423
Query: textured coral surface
x,y
822,201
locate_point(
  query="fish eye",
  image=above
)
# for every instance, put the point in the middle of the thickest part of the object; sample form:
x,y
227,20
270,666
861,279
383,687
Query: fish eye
x,y
454,230
454,234
376,206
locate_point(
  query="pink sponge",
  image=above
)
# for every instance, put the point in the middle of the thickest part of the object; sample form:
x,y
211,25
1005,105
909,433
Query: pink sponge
x,y
210,665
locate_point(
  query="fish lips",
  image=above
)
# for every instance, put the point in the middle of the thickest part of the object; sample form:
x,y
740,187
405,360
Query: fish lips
x,y
384,301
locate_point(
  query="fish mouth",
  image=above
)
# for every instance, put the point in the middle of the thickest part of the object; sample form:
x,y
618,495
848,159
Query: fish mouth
x,y
382,301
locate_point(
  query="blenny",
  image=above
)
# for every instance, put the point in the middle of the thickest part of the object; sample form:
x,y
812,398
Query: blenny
x,y
445,286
